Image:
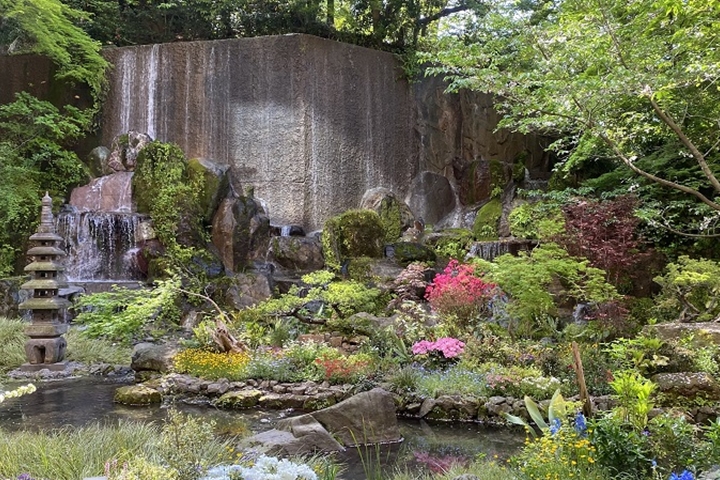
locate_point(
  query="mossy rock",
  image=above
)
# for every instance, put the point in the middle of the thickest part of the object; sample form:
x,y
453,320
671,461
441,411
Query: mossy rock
x,y
409,252
137,395
240,399
355,233
214,184
395,215
487,219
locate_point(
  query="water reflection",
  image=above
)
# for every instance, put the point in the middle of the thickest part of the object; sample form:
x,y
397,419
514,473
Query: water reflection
x,y
428,446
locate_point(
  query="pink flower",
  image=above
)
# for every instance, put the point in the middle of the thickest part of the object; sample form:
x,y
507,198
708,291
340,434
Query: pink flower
x,y
448,346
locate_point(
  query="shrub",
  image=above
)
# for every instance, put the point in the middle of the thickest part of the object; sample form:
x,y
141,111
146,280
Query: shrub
x,y
345,369
690,290
459,292
540,220
121,313
604,232
528,277
12,343
442,352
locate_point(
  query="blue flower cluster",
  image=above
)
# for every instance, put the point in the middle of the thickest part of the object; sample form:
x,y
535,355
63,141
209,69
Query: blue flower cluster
x,y
685,475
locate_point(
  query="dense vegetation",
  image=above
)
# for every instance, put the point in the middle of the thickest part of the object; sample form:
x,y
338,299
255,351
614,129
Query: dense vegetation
x,y
626,234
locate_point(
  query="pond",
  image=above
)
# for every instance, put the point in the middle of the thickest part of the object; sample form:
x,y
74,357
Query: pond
x,y
428,445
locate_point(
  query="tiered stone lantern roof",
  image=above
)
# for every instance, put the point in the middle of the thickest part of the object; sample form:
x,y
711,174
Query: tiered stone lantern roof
x,y
46,346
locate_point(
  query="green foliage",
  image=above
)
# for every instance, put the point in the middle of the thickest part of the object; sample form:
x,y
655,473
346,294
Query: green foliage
x,y
633,394
188,445
645,79
486,220
69,454
540,220
528,277
91,351
391,219
48,27
12,343
453,243
557,409
34,157
690,290
642,354
140,469
121,314
355,233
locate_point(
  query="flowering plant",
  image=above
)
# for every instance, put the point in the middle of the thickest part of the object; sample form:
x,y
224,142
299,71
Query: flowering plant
x,y
458,291
441,351
271,468
18,392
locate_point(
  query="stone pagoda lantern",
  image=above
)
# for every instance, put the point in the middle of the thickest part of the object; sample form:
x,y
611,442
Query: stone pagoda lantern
x,y
46,346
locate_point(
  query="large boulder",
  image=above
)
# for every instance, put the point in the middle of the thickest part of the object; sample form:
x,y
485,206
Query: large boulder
x,y
703,334
153,357
248,289
688,385
215,184
109,194
431,197
355,233
395,215
240,232
297,253
365,418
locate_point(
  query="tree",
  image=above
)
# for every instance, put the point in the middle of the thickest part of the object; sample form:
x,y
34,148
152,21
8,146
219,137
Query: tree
x,y
47,27
618,78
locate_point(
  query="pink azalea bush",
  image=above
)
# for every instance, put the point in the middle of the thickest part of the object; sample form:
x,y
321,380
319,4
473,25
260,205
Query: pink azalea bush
x,y
448,347
458,291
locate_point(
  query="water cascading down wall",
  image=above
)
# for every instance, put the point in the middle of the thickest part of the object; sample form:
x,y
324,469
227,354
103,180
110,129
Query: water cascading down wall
x,y
309,123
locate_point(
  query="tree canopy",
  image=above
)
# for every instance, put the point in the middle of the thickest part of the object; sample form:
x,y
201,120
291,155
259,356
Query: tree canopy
x,y
619,79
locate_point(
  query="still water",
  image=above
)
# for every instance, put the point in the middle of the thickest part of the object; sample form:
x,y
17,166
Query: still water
x,y
426,445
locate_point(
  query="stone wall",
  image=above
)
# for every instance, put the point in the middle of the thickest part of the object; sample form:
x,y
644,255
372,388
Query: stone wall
x,y
310,123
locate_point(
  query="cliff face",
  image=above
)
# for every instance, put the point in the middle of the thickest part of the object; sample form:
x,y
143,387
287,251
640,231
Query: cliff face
x,y
310,123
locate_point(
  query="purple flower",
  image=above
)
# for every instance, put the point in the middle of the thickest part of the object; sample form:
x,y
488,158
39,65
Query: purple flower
x,y
25,476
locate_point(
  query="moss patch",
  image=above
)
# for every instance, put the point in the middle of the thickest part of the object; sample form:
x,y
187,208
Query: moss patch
x,y
391,219
355,233
486,221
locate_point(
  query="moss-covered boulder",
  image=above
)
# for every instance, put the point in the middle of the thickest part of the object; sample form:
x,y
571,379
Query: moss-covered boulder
x,y
214,184
406,253
487,220
355,233
395,215
137,395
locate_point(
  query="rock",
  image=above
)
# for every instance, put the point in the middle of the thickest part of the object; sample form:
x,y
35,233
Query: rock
x,y
137,395
297,253
109,194
153,357
97,159
395,215
247,289
430,197
305,436
124,151
218,388
407,252
704,334
688,385
487,220
240,399
215,184
365,418
287,230
11,295
354,233
453,407
240,232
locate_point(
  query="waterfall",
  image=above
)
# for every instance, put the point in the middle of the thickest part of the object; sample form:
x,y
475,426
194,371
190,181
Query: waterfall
x,y
490,250
100,247
285,230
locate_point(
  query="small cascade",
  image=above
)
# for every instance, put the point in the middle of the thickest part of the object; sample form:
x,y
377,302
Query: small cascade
x,y
490,250
285,230
100,247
